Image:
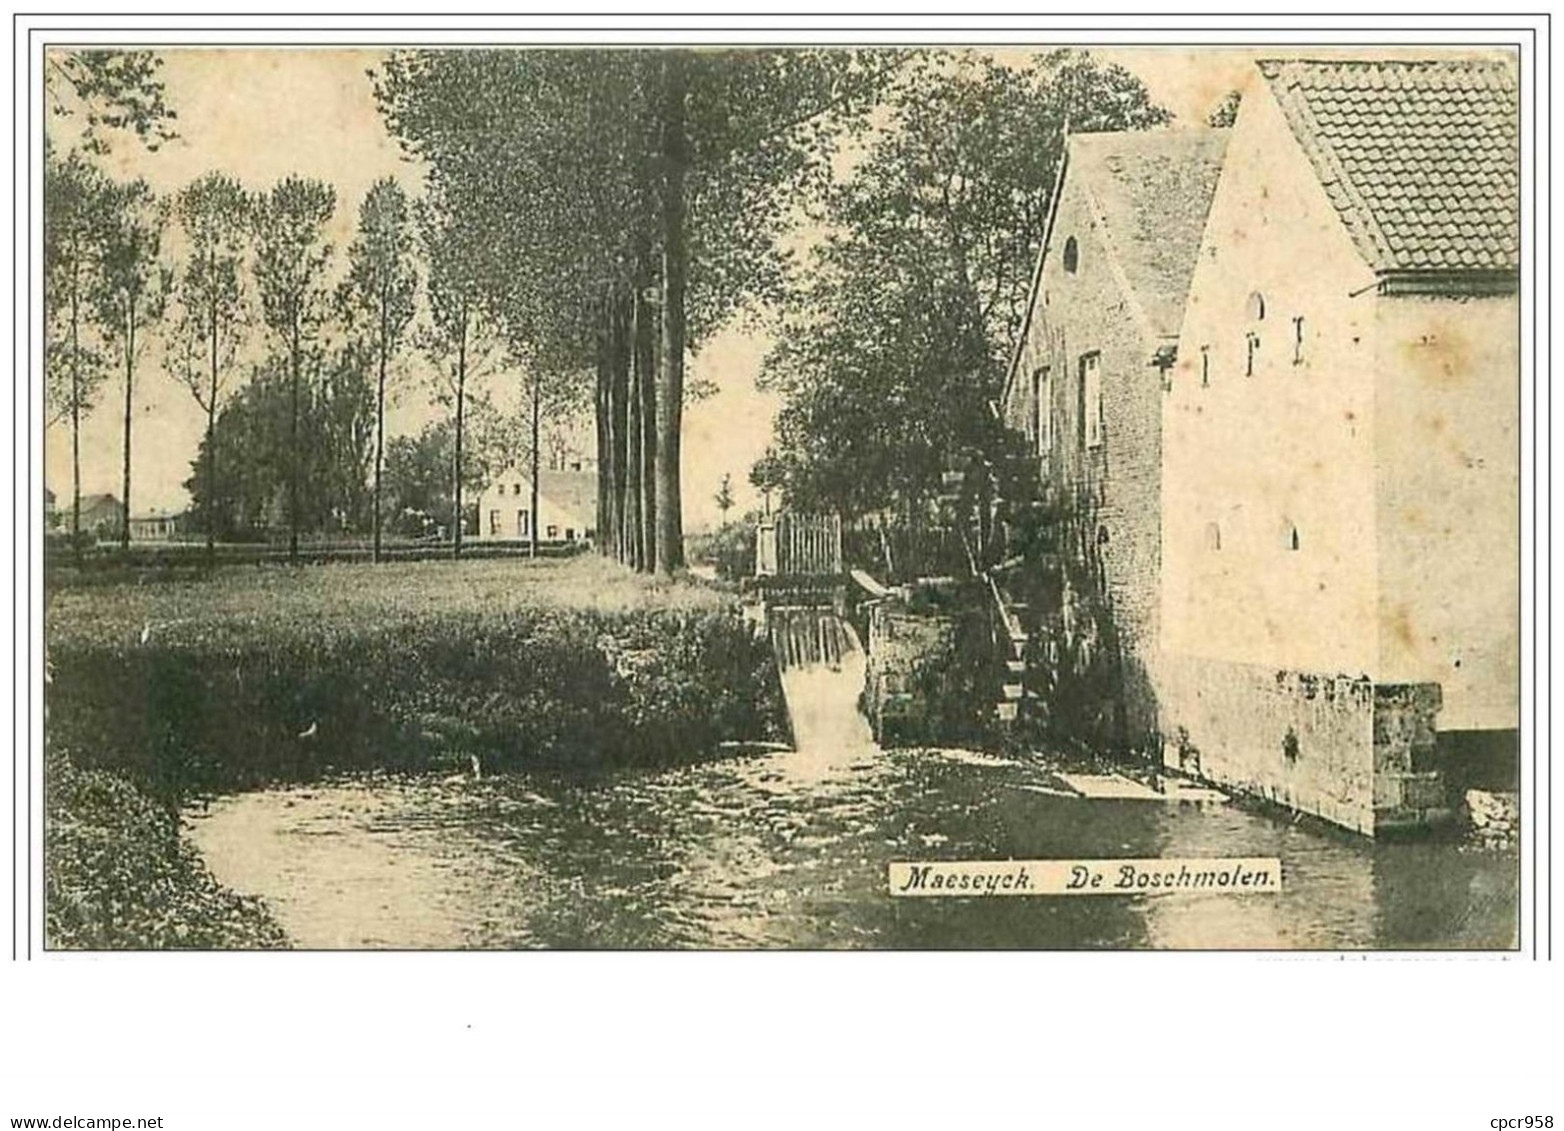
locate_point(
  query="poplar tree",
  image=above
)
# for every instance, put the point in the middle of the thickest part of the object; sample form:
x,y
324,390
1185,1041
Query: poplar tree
x,y
131,294
214,215
379,295
290,266
76,193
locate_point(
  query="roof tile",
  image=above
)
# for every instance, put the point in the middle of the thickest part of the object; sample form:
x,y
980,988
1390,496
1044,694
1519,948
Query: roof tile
x,y
1421,158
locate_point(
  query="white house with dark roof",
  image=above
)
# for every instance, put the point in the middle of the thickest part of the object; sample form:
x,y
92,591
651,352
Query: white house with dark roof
x,y
566,510
1085,387
1340,449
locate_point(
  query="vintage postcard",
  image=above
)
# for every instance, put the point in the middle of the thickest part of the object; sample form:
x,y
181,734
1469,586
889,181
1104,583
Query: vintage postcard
x,y
1056,496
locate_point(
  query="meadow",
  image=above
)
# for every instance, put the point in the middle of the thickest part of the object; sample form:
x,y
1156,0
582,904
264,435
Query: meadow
x,y
266,673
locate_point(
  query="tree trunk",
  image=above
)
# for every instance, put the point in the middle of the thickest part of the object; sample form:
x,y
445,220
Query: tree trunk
x,y
670,393
461,390
130,362
618,396
646,360
631,524
537,408
293,447
211,454
76,421
603,534
380,432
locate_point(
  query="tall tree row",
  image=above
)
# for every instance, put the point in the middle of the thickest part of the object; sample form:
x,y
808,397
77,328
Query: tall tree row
x,y
634,201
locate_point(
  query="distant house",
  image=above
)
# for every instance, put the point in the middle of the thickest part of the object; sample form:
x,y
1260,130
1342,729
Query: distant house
x,y
157,525
1340,464
1085,387
102,517
567,506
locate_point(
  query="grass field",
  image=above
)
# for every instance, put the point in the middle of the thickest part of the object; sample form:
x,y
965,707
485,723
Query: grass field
x,y
258,674
273,599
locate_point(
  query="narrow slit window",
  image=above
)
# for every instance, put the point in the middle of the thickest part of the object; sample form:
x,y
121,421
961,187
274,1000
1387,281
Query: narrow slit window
x,y
1072,256
1213,536
1205,367
1091,401
1297,340
1043,386
1252,346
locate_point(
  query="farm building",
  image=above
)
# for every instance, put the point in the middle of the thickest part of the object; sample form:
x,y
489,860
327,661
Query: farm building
x,y
567,506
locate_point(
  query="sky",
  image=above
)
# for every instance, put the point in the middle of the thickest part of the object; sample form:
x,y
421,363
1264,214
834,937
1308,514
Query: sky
x,y
259,114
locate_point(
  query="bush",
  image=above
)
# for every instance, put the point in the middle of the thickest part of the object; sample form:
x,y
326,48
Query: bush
x,y
730,549
234,704
117,874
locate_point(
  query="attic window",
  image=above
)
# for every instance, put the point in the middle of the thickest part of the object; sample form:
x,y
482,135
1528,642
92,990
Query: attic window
x,y
1072,256
1256,307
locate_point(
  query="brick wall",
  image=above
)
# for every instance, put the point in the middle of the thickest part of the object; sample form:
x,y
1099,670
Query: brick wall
x,y
1111,494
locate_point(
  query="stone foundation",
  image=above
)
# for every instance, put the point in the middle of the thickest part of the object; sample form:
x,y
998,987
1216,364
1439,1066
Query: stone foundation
x,y
915,685
1342,748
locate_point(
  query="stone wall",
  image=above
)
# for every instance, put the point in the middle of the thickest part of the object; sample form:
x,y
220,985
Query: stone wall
x,y
1338,747
920,683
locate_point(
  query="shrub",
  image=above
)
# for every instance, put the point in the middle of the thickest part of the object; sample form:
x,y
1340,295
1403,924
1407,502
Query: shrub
x,y
117,873
235,704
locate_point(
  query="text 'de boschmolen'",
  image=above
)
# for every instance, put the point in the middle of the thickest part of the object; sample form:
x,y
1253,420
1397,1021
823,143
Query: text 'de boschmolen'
x,y
1234,875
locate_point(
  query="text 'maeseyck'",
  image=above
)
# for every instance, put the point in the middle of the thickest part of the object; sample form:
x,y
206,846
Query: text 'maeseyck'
x,y
1233,875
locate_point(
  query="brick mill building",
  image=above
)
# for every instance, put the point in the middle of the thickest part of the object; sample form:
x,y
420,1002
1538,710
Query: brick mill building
x,y
1272,373
1340,518
1086,385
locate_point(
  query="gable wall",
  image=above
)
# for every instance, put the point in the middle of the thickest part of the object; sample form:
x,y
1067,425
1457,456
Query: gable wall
x,y
1115,487
1291,446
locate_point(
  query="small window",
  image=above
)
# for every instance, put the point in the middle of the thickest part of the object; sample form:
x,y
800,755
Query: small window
x,y
494,522
1102,536
1289,531
570,534
1256,307
1205,367
1213,536
1251,347
553,532
515,489
1072,256
1091,401
1042,400
1297,340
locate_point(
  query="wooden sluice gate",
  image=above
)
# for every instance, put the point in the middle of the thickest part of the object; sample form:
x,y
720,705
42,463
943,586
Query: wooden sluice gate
x,y
804,635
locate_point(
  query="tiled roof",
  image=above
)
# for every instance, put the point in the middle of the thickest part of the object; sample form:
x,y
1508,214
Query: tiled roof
x,y
576,491
1420,158
1152,190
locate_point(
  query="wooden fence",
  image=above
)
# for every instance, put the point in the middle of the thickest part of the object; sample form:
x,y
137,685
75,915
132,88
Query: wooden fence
x,y
799,545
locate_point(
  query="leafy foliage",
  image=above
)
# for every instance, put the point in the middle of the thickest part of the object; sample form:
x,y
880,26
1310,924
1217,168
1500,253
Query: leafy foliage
x,y
110,90
117,874
896,338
